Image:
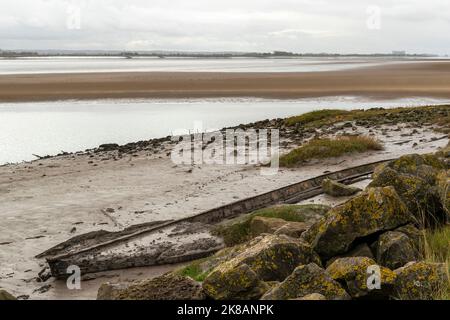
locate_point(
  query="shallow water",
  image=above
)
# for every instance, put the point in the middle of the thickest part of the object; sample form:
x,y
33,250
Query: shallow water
x,y
47,128
120,64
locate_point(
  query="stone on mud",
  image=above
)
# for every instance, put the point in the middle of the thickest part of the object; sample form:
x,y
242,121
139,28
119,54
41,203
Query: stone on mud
x,y
306,280
374,210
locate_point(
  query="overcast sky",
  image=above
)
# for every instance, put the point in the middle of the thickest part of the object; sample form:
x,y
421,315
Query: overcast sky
x,y
342,26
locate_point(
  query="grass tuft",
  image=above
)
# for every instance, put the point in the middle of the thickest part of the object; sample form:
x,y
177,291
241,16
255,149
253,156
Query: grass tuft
x,y
329,148
194,271
437,250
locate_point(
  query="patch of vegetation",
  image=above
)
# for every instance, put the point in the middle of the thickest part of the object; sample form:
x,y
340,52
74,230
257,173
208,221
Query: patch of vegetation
x,y
237,231
194,271
320,118
317,116
437,250
329,148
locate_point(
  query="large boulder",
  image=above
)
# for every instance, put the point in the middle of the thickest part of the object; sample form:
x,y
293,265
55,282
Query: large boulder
x,y
414,177
167,287
415,235
361,250
375,210
421,281
269,258
293,229
5,295
353,273
306,280
336,189
395,249
234,282
260,225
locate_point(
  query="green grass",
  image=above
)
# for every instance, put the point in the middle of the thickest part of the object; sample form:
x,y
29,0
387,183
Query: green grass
x,y
237,231
437,250
329,148
194,271
319,118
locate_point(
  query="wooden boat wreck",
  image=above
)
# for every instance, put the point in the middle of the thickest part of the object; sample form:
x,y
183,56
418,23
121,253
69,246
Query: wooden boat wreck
x,y
174,241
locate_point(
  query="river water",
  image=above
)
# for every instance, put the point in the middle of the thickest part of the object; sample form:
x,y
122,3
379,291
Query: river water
x,y
47,128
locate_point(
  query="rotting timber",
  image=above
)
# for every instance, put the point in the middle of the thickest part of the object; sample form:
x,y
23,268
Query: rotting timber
x,y
174,241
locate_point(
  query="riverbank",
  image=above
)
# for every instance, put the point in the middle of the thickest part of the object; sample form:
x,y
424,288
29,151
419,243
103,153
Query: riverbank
x,y
47,201
411,79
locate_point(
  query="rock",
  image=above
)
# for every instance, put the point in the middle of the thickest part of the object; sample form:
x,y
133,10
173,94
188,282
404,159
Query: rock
x,y
260,225
414,234
110,291
45,274
269,258
166,287
374,210
352,273
306,280
108,147
361,250
420,280
313,296
293,229
336,189
237,283
395,249
5,295
414,178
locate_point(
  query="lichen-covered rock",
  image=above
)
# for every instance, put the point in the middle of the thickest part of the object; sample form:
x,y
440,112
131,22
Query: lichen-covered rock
x,y
5,295
336,189
414,177
420,281
110,291
293,229
415,235
353,273
269,258
166,287
395,249
361,250
229,282
375,210
312,297
260,225
411,163
305,280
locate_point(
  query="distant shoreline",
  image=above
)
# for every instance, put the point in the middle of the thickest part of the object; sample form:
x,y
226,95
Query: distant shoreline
x,y
418,79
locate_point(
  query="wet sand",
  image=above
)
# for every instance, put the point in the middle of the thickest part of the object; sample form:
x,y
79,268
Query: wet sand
x,y
398,80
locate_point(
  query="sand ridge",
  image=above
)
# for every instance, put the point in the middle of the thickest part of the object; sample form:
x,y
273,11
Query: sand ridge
x,y
396,80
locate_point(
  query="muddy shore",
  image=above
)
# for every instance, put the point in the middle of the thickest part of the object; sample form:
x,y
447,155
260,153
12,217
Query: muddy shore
x,y
50,200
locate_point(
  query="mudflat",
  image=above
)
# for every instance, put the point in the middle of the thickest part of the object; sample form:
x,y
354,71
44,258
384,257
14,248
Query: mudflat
x,y
397,80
